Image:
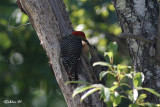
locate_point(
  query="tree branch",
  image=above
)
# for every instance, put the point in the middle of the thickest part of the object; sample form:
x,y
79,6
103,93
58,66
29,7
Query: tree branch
x,y
140,17
51,22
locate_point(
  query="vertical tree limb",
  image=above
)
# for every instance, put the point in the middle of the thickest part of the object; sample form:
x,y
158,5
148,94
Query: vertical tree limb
x,y
51,22
140,17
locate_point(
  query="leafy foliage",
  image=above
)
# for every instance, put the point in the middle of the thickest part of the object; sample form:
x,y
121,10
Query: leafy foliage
x,y
120,90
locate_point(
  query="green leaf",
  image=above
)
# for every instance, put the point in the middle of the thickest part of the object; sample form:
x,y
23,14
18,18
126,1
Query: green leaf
x,y
4,37
24,18
147,104
102,93
109,54
121,76
69,82
101,63
86,87
113,46
88,93
141,98
134,105
116,98
113,87
137,79
130,95
119,66
80,89
109,103
135,82
106,94
149,90
129,75
98,86
102,74
112,73
124,84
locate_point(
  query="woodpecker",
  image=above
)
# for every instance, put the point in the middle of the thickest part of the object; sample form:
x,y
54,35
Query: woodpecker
x,y
71,48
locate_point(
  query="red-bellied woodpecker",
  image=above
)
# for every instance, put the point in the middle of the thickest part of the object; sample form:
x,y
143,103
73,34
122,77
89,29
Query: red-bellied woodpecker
x,y
71,48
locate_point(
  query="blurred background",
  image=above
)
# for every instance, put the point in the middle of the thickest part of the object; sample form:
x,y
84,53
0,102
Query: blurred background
x,y
24,70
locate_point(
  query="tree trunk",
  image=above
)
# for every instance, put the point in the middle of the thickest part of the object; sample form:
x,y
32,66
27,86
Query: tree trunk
x,y
51,21
140,17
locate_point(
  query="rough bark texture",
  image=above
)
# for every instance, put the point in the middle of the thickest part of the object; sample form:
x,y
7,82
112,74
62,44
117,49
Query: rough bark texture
x,y
140,17
51,22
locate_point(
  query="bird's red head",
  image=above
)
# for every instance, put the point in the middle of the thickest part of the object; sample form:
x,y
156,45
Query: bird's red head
x,y
79,33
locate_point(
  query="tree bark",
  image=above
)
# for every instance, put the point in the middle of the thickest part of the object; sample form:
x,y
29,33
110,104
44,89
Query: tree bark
x,y
140,17
51,21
